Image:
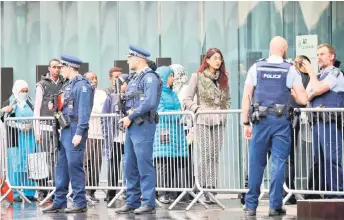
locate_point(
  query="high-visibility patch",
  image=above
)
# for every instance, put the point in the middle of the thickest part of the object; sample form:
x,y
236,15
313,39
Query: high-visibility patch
x,y
84,89
149,79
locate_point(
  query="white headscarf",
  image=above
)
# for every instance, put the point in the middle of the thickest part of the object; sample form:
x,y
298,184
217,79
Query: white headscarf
x,y
180,77
17,87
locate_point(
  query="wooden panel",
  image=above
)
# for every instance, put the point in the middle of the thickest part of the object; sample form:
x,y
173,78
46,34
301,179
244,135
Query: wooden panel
x,y
320,209
324,210
340,210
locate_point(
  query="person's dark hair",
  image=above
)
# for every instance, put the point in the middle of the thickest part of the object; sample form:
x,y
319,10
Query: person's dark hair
x,y
223,78
152,64
114,69
52,60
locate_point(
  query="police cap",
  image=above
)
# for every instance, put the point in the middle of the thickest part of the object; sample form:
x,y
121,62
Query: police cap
x,y
137,52
70,61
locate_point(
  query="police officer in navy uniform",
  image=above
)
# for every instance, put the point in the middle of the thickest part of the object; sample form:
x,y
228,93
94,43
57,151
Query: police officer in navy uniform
x,y
142,98
326,90
269,85
74,114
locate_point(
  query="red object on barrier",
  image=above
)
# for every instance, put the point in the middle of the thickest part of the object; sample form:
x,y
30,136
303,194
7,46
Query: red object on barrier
x,y
60,100
4,189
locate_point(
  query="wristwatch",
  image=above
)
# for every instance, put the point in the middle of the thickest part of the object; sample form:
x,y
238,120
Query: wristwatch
x,y
246,123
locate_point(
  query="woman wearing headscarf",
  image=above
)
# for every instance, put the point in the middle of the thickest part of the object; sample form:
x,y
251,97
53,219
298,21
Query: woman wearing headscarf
x,y
211,87
180,81
22,140
170,146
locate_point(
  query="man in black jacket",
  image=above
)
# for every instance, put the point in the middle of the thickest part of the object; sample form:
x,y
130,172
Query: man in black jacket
x,y
50,84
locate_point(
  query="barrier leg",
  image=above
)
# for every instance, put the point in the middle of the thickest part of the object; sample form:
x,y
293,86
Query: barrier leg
x,y
261,196
200,201
216,200
177,200
287,197
299,197
116,197
90,202
9,190
159,203
195,200
23,196
5,195
47,197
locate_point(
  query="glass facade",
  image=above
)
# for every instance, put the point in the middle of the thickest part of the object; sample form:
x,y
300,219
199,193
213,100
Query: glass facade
x,y
99,32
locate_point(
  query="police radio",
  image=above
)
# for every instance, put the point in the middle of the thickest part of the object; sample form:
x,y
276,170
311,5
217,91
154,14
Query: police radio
x,y
254,112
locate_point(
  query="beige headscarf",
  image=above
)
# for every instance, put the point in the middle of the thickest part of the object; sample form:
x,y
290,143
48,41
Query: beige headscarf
x,y
17,87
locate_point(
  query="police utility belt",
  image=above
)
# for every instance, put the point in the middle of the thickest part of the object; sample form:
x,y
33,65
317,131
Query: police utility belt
x,y
150,116
258,112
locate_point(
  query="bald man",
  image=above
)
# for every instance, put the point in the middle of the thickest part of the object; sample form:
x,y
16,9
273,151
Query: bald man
x,y
269,85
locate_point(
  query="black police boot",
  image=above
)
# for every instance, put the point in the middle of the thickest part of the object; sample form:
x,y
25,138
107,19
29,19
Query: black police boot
x,y
125,210
145,210
53,209
75,209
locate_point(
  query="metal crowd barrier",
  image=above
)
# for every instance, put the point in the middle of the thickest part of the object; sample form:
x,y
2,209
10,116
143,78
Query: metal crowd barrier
x,y
173,157
221,155
31,165
25,160
209,156
105,145
318,157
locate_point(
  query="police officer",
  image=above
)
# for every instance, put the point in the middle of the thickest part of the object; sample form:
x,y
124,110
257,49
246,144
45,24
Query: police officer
x,y
326,90
73,116
269,81
142,98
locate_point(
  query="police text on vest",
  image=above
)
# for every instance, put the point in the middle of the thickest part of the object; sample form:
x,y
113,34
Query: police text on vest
x,y
271,76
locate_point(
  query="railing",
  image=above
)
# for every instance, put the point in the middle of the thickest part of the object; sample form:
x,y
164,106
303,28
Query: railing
x,y
208,155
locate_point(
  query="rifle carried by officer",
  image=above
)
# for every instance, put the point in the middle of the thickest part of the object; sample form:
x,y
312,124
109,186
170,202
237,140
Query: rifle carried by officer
x,y
60,121
153,116
119,106
56,124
